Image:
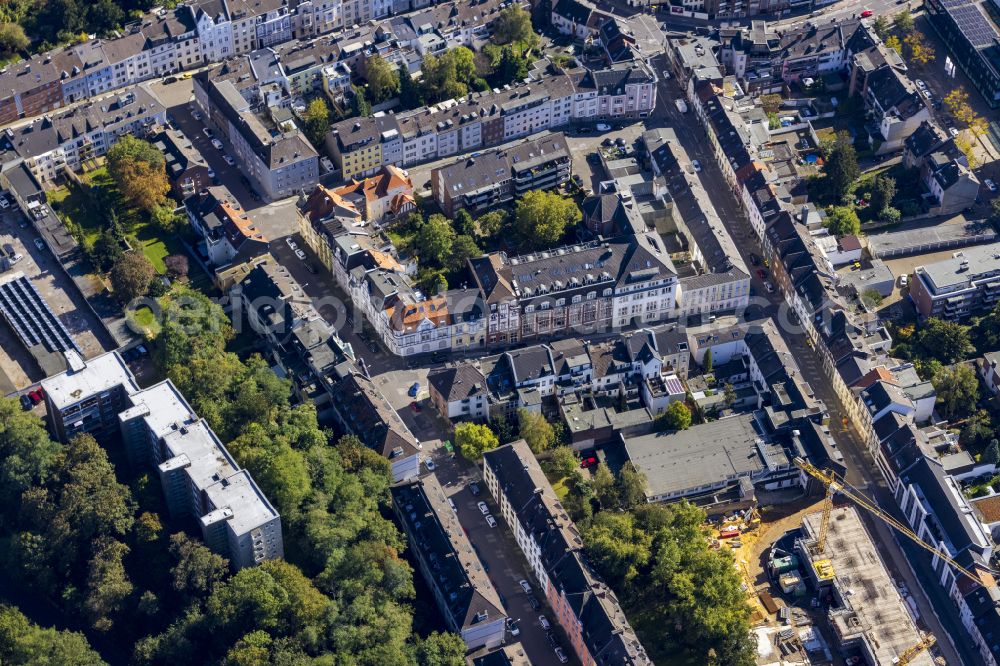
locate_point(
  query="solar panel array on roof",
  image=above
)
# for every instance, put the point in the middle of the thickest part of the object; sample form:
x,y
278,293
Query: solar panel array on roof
x,y
31,318
972,22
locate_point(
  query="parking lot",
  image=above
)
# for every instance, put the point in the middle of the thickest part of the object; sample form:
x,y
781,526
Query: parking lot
x,y
19,369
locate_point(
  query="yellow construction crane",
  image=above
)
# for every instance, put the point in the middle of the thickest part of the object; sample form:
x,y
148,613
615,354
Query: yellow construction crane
x,y
833,483
925,643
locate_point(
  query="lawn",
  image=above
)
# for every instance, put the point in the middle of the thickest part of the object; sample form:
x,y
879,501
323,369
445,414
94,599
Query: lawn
x,y
144,320
560,488
77,210
156,246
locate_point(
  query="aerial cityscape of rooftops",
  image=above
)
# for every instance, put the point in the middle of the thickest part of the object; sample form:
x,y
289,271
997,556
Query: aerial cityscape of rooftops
x,y
434,333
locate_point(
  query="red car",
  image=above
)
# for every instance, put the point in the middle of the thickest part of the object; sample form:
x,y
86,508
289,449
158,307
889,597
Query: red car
x,y
35,396
588,462
415,407
866,13
761,273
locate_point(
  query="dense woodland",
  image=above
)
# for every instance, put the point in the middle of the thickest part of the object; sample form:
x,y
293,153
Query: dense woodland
x,y
88,541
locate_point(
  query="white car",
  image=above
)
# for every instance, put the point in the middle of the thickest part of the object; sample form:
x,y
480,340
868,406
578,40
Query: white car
x,y
561,656
524,586
544,621
16,258
483,509
4,203
291,243
697,166
491,521
229,160
207,131
990,185
920,84
429,464
603,127
300,254
196,115
666,75
904,280
40,244
217,144
514,629
769,287
211,172
953,131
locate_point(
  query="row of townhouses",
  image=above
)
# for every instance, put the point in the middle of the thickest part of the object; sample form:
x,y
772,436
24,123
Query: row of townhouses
x,y
883,398
201,481
361,146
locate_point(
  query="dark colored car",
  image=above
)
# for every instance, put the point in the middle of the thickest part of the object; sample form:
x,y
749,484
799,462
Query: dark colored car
x,y
534,602
761,273
474,489
26,403
755,260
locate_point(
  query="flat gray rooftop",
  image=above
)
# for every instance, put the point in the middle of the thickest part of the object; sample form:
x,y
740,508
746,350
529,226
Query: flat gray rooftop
x,y
930,238
949,274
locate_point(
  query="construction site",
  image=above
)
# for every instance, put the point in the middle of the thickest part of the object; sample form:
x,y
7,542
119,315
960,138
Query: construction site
x,y
820,592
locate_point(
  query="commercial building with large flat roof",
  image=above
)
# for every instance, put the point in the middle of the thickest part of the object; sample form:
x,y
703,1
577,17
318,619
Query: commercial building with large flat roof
x,y
955,288
707,458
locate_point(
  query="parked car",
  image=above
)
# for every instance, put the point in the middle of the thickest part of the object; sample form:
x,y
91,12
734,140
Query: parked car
x,y
697,166
761,273
217,144
523,583
40,244
603,127
16,258
483,509
904,280
867,13
26,403
416,409
312,269
196,115
754,259
512,627
211,173
990,185
300,254
229,160
953,131
533,602
544,621
291,243
561,656
474,489
429,464
491,521
4,203
414,390
920,83
666,75
207,131
769,287
608,141
588,462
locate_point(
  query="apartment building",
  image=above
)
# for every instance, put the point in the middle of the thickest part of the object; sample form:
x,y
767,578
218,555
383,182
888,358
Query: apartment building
x,y
68,140
279,163
186,166
481,120
970,32
229,234
590,286
955,288
585,607
200,479
451,567
496,178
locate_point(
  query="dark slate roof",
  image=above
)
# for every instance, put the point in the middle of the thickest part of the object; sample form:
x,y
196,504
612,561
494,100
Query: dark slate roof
x,y
924,139
930,476
463,381
530,363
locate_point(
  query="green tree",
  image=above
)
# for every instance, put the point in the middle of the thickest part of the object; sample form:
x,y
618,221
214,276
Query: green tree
x,y
903,22
316,121
139,171
542,217
491,224
473,440
957,390
946,341
535,430
108,586
435,240
562,462
28,457
978,428
25,644
676,416
992,453
631,487
441,649
881,27
106,250
513,26
383,79
462,249
411,95
360,106
510,67
843,221
463,223
883,192
605,488
730,394
841,167
130,276
987,328
12,38
465,64
706,360
198,570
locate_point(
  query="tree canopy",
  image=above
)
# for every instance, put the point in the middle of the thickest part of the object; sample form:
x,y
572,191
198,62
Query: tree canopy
x,y
841,165
131,275
843,221
139,171
542,217
677,416
474,439
535,430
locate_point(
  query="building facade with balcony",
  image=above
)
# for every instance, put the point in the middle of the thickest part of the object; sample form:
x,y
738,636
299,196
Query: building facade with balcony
x,y
960,286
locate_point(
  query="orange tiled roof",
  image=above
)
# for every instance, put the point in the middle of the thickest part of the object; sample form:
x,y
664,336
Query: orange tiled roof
x,y
878,374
